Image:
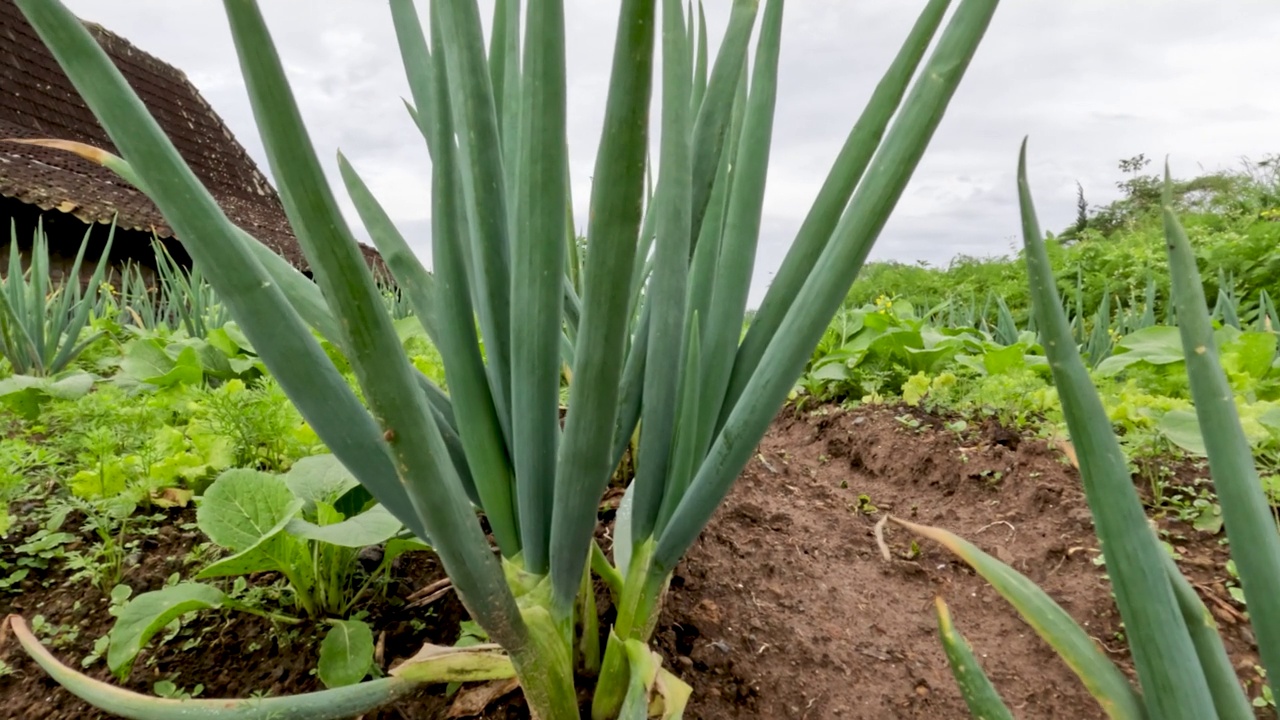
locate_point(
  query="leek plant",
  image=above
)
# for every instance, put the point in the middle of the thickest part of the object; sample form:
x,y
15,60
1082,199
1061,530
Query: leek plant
x,y
648,314
172,298
1183,671
41,321
134,300
186,297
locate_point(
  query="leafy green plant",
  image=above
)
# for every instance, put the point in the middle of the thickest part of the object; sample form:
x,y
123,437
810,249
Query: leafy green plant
x,y
884,342
38,551
161,362
657,341
1183,670
263,428
103,563
26,395
187,296
891,348
40,320
11,483
346,653
308,526
167,689
129,451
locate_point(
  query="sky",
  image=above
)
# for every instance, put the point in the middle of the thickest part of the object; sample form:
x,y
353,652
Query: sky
x,y
1090,82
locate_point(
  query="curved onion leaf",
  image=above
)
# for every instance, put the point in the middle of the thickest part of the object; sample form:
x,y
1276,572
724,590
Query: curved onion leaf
x,y
410,275
820,296
742,218
412,435
979,694
487,207
667,288
541,183
846,172
585,455
1246,514
1172,680
482,423
1100,676
334,704
432,665
1228,695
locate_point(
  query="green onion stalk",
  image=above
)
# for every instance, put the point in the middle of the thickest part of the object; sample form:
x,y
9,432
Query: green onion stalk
x,y
42,320
1182,667
648,314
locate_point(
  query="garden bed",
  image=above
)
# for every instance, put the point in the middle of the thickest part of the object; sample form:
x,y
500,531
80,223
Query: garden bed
x,y
784,608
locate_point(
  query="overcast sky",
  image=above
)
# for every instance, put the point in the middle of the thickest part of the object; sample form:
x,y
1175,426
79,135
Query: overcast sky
x,y
1091,82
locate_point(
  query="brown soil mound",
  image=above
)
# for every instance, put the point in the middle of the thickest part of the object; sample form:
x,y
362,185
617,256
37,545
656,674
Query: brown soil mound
x,y
787,609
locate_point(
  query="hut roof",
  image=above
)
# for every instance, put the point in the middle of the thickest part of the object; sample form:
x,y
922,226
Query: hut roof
x,y
37,100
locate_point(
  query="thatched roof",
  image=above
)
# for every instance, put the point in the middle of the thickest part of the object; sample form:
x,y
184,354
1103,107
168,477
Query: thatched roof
x,y
37,100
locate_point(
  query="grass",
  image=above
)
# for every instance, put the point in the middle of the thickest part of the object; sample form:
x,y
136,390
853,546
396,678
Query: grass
x,y
1232,219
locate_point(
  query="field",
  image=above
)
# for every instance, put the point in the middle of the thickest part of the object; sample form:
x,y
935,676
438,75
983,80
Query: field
x,y
569,473
924,399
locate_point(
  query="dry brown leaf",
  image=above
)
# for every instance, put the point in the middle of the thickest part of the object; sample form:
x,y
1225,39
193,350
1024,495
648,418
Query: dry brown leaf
x,y
172,497
1070,451
471,701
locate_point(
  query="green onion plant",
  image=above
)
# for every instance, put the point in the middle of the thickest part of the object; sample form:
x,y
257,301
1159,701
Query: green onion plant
x,y
1183,671
647,314
185,296
41,320
133,301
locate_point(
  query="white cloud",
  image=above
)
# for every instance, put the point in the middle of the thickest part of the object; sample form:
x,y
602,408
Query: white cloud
x,y
1090,82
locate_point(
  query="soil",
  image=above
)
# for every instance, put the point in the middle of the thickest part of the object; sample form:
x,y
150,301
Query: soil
x,y
784,608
